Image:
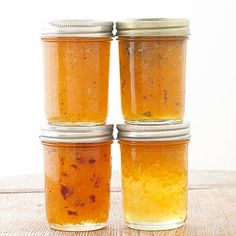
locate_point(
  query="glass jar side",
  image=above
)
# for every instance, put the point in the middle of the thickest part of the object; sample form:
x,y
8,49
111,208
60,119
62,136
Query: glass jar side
x,y
152,77
154,184
77,185
76,76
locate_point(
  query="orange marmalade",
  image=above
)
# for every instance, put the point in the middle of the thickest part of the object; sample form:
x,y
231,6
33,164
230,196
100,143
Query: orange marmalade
x,y
76,72
152,70
154,181
77,183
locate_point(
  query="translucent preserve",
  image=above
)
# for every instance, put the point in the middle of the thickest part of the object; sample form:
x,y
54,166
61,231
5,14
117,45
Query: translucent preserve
x,y
77,184
76,72
154,183
154,180
152,71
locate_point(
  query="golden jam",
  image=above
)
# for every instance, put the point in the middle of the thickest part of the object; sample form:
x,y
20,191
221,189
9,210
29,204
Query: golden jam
x,y
154,181
154,163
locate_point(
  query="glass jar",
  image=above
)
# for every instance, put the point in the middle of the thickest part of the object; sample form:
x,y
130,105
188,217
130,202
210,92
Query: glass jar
x,y
154,175
76,71
77,176
152,69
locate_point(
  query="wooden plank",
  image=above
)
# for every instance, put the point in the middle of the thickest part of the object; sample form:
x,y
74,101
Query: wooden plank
x,y
212,211
23,214
22,183
209,214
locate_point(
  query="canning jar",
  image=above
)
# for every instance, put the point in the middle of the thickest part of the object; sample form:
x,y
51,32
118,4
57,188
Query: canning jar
x,y
76,71
77,176
154,175
152,56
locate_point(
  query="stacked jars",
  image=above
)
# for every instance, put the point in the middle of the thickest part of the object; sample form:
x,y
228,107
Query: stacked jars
x,y
154,140
76,140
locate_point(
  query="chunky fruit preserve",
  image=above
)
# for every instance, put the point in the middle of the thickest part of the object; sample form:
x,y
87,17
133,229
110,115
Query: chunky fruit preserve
x,y
77,177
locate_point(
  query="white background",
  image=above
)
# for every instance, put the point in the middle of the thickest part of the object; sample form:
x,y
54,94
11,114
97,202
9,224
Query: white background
x,y
211,75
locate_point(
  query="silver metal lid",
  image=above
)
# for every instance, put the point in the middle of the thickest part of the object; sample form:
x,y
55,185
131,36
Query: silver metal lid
x,y
77,28
76,134
161,132
153,27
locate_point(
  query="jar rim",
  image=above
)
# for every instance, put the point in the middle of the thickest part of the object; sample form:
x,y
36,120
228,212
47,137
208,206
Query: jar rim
x,y
161,132
153,27
77,28
76,134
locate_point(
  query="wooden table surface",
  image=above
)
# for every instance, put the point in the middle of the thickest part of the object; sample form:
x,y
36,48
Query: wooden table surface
x,y
212,207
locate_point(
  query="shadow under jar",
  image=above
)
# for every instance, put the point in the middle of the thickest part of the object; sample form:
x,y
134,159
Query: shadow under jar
x,y
76,71
152,56
77,164
154,175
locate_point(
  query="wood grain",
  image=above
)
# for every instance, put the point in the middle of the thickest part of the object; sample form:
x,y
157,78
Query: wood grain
x,y
212,208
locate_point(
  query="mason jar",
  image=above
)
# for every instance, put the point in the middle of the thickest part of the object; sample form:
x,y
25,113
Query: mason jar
x,y
154,175
152,55
76,71
77,163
